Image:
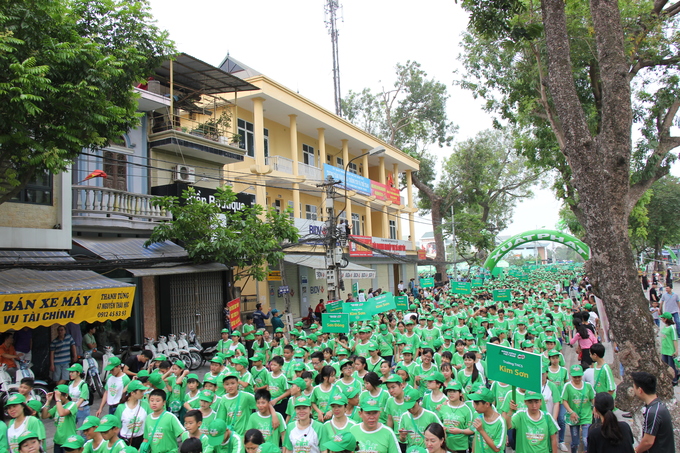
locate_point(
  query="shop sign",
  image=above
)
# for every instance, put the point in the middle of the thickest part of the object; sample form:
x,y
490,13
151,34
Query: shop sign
x,y
354,182
384,192
61,307
357,250
234,307
206,195
274,276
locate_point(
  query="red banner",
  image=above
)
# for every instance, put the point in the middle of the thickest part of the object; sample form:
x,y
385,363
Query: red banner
x,y
385,192
234,307
357,250
422,254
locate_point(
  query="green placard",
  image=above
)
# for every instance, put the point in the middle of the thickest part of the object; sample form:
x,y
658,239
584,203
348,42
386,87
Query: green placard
x,y
461,288
381,303
427,282
501,294
334,307
335,322
358,311
401,302
477,282
514,367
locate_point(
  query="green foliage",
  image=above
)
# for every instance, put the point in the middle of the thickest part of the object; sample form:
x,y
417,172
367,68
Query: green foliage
x,y
484,178
240,239
505,60
664,228
67,72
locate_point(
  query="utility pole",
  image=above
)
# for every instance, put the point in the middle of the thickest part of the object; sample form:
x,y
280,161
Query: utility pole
x,y
332,243
331,8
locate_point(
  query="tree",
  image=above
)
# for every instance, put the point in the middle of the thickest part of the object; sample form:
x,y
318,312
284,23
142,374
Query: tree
x,y
484,178
578,76
247,240
412,117
67,72
664,228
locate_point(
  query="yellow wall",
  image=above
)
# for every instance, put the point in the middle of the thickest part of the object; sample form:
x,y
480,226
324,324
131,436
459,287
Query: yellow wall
x,y
167,161
26,215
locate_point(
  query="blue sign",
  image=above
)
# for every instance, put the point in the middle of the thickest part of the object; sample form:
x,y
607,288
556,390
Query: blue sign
x,y
354,182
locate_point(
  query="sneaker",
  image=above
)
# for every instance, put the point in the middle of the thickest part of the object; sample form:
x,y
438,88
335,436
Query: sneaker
x,y
563,447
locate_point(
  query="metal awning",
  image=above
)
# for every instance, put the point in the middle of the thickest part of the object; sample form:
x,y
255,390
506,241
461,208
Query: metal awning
x,y
201,77
19,257
318,263
184,269
33,298
129,248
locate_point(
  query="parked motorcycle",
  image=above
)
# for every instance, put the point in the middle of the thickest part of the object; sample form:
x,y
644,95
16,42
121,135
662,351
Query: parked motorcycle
x,y
193,348
108,353
150,345
7,387
92,376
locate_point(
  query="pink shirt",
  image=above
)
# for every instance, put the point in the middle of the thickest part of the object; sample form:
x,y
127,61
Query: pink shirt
x,y
584,343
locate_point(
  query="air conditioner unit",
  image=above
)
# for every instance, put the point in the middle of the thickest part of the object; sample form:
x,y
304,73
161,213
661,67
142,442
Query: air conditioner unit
x,y
184,173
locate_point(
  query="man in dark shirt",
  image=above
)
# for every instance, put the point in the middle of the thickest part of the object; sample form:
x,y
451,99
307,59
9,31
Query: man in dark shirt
x,y
259,316
658,426
134,364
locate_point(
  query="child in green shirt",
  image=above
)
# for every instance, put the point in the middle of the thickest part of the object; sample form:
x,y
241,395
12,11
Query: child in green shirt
x,y
109,427
63,413
161,429
262,419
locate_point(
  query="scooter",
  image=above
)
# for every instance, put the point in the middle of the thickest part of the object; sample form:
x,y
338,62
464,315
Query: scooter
x,y
173,347
162,347
108,353
92,377
40,387
150,346
194,349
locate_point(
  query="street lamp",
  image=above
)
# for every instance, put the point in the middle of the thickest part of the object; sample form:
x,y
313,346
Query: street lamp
x,y
378,150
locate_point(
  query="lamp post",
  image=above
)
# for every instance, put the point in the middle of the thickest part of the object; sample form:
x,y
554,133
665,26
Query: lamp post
x,y
378,150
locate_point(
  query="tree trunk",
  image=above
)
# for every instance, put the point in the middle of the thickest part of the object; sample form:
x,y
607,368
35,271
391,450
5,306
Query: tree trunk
x,y
435,208
601,174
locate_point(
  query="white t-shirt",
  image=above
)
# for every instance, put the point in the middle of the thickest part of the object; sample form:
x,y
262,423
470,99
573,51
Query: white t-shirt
x,y
74,392
310,436
114,389
132,421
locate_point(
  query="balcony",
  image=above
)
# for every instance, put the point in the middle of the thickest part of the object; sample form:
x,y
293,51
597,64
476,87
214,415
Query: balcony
x,y
209,140
99,207
312,174
279,163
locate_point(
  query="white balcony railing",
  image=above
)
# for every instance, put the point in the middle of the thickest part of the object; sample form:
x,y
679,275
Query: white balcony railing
x,y
279,163
103,202
309,172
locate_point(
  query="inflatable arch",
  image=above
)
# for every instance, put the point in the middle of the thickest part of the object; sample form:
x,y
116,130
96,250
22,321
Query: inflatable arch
x,y
536,235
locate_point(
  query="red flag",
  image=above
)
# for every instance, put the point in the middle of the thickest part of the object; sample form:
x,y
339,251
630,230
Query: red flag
x,y
95,174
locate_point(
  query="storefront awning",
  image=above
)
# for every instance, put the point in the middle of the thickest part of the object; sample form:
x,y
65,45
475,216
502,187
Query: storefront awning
x,y
171,270
32,298
318,263
129,248
19,257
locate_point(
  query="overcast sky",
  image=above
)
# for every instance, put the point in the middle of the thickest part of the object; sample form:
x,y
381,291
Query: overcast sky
x,y
289,42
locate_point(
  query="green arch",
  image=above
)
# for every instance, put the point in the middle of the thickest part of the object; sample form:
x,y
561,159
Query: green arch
x,y
672,254
536,235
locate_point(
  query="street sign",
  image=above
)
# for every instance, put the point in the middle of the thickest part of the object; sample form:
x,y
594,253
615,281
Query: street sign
x,y
514,367
501,295
284,289
461,288
426,282
355,289
335,322
334,306
401,302
274,276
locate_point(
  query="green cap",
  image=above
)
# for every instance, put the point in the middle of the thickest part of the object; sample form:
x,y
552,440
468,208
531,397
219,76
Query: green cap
x,y
90,422
453,385
207,395
210,380
113,362
235,333
108,422
279,330
302,400
240,361
407,350
367,403
73,442
16,398
666,315
63,388
298,366
553,352
338,399
588,306
576,370
157,381
299,382
341,441
258,332
216,360
27,435
135,385
143,373
161,358
216,431
36,405
314,326
130,449
394,378
528,396
436,376
483,395
258,357
75,367
189,376
411,397
225,331
180,364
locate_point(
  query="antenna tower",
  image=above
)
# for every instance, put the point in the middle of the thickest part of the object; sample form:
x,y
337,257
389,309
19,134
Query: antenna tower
x,y
331,21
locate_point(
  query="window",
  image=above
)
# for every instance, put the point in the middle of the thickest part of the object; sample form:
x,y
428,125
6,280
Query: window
x,y
37,191
352,167
115,167
339,161
308,155
277,206
247,132
393,229
291,206
310,212
356,224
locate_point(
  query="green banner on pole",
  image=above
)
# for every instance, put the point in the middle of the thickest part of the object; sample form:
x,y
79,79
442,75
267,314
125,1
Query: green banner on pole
x,y
355,289
426,282
514,367
334,307
335,322
461,288
477,282
381,303
501,294
401,302
358,311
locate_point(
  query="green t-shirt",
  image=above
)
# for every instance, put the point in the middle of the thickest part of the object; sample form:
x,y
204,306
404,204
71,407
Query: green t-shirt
x,y
321,399
4,445
456,417
65,425
236,410
162,432
668,338
264,425
496,430
579,401
202,437
233,445
330,429
259,376
417,426
382,398
248,332
431,405
31,424
603,379
89,447
117,447
382,440
413,341
501,392
176,395
207,419
396,411
277,385
246,377
558,377
534,436
429,336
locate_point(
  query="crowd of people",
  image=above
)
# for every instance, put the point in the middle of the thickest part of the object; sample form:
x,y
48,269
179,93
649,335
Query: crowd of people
x,y
404,381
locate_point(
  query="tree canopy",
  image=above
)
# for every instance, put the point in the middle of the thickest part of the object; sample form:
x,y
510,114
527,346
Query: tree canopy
x,y
249,239
67,72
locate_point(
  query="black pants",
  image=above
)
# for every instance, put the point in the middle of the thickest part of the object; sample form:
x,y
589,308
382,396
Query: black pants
x,y
134,441
282,406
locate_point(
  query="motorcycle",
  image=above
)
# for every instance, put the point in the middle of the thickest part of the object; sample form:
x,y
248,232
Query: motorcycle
x,y
162,346
108,353
150,346
194,348
92,377
7,387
